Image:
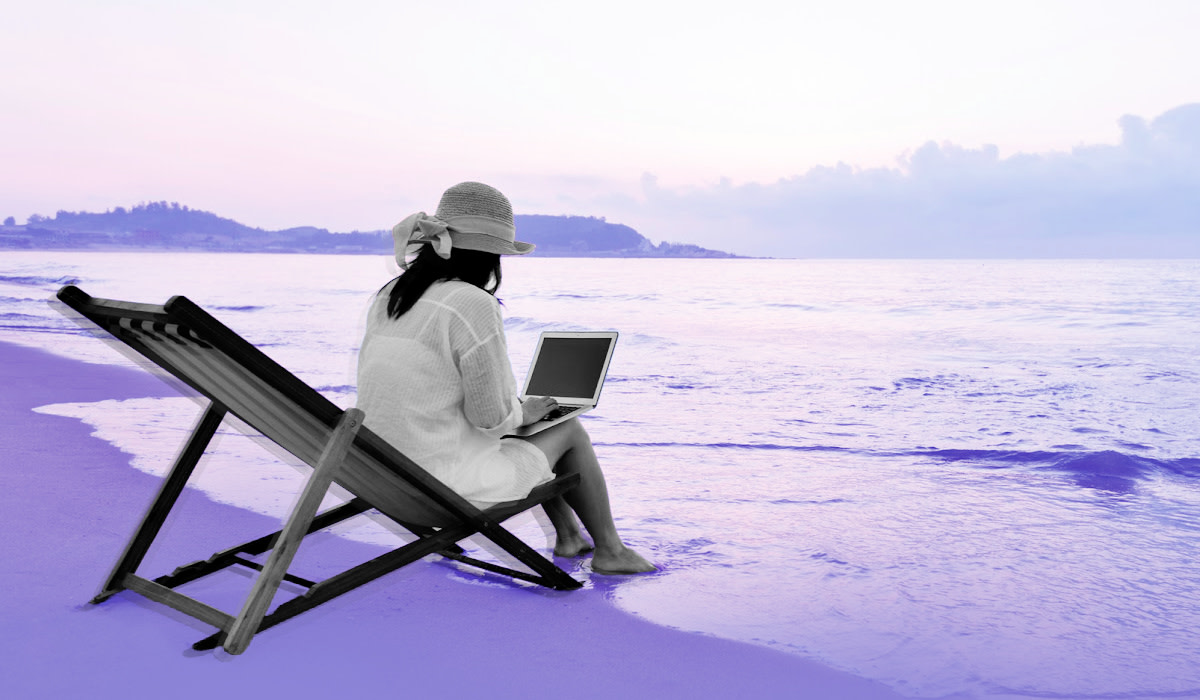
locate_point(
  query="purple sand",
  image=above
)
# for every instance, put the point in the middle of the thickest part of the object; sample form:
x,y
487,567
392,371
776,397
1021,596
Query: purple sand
x,y
69,502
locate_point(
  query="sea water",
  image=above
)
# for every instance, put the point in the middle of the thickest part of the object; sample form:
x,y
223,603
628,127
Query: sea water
x,y
955,477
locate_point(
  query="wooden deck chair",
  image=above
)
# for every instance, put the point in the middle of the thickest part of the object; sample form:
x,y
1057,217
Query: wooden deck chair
x,y
239,379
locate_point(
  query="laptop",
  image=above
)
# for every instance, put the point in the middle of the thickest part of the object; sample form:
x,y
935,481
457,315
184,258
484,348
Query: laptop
x,y
570,368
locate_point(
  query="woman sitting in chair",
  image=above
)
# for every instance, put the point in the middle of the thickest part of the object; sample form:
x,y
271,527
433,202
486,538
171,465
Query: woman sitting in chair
x,y
434,377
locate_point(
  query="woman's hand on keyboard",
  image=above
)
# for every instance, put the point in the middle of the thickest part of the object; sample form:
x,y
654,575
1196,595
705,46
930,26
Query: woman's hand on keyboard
x,y
535,408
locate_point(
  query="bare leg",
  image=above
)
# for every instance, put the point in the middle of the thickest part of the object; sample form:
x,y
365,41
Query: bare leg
x,y
569,450
569,541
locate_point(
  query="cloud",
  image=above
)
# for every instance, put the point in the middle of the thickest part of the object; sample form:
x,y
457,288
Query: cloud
x,y
1137,198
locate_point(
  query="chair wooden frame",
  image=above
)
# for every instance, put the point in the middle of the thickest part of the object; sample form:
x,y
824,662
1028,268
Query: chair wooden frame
x,y
240,380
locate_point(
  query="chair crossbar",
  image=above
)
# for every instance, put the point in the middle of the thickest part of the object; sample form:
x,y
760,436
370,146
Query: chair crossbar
x,y
350,579
171,598
228,557
290,578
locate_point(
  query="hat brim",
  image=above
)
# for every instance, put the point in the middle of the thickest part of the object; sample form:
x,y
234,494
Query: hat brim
x,y
487,243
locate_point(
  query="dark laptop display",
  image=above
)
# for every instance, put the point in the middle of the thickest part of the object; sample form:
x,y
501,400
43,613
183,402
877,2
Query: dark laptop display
x,y
569,367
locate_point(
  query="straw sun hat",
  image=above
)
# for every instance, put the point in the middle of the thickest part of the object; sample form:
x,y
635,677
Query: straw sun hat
x,y
471,216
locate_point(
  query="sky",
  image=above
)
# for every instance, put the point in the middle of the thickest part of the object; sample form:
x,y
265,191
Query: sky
x,y
863,128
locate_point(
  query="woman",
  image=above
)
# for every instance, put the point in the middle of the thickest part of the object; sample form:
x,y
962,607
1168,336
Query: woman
x,y
434,377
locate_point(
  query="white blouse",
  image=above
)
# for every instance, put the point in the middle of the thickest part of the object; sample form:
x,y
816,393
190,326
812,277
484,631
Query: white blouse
x,y
438,385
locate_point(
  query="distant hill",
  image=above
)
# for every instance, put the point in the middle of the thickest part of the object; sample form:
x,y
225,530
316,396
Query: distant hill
x,y
171,226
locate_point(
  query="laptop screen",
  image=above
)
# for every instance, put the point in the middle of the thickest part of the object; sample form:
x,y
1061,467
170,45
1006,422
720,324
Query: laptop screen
x,y
570,365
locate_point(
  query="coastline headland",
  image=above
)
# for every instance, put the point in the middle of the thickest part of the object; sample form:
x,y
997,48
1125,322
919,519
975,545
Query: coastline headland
x,y
171,226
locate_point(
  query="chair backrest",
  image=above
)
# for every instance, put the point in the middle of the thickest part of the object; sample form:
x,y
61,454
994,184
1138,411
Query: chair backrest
x,y
199,350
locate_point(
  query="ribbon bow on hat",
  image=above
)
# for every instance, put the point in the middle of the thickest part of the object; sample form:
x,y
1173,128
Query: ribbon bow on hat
x,y
419,229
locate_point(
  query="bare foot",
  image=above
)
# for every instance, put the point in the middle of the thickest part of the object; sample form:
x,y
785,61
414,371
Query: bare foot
x,y
571,546
622,561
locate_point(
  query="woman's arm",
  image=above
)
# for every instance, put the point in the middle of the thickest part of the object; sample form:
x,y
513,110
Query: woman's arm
x,y
489,389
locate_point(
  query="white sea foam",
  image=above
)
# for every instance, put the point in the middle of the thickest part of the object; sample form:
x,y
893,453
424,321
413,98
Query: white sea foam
x,y
952,476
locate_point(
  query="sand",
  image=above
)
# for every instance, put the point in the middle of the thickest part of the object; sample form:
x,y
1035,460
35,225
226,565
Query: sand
x,y
68,503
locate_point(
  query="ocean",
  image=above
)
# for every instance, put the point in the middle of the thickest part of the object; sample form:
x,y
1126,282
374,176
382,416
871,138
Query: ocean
x,y
962,477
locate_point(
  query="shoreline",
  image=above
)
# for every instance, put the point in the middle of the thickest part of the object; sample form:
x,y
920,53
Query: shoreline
x,y
69,502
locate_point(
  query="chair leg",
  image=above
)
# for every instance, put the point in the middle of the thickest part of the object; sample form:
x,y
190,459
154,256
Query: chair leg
x,y
267,583
548,574
168,493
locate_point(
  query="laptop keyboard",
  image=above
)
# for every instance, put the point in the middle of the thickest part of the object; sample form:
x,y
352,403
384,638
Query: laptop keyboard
x,y
559,412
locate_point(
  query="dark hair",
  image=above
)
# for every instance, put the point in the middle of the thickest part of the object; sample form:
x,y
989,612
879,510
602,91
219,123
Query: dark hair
x,y
471,266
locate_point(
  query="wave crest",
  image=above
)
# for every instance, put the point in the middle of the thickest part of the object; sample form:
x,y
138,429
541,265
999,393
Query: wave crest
x,y
38,281
1101,466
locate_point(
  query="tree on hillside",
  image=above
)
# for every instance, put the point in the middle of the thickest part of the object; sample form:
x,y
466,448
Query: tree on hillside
x,y
10,221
